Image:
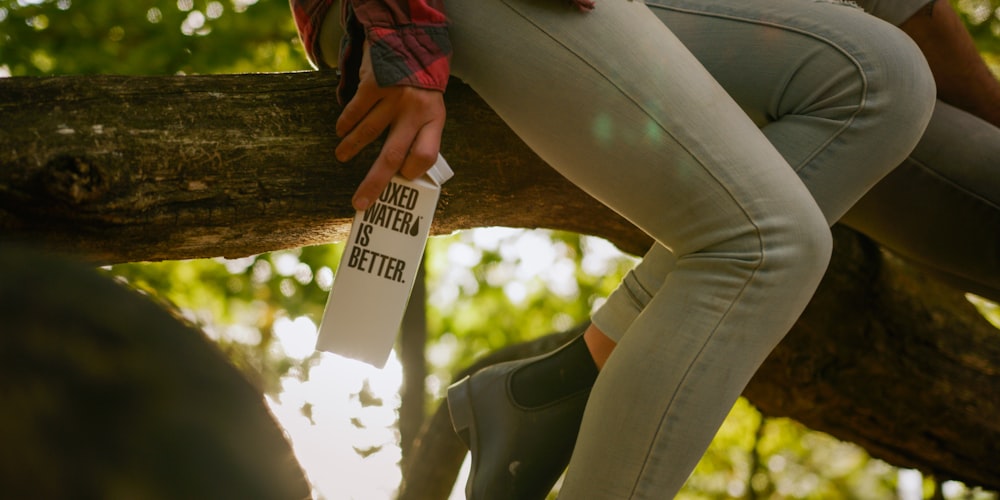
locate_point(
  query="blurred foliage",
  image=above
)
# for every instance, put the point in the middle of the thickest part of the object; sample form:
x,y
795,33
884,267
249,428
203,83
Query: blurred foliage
x,y
486,288
504,286
239,301
989,309
982,17
40,37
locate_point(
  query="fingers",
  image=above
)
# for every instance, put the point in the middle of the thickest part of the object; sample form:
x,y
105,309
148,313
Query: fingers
x,y
415,119
373,184
365,97
362,120
424,151
409,149
390,159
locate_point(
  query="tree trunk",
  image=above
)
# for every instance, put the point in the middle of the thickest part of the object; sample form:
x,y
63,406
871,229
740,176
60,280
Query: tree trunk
x,y
115,169
135,404
412,357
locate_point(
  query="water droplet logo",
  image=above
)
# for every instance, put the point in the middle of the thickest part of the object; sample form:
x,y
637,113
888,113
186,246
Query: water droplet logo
x,y
415,229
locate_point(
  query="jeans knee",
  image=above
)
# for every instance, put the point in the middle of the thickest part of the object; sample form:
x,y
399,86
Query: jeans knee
x,y
871,77
817,244
800,245
901,89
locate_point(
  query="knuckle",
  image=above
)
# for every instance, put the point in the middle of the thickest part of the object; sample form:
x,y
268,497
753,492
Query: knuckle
x,y
423,157
394,156
368,132
375,182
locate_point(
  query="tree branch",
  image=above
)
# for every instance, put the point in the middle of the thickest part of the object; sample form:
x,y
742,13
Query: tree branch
x,y
121,169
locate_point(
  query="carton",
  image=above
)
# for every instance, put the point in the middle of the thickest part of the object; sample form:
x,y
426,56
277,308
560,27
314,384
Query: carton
x,y
376,273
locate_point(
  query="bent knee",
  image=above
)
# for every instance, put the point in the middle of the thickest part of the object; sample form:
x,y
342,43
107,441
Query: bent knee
x,y
799,244
871,76
901,84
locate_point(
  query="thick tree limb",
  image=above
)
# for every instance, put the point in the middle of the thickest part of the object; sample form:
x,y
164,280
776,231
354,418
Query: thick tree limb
x,y
884,351
116,169
159,168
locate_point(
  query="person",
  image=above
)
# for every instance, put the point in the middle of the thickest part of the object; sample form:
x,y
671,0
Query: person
x,y
940,209
613,100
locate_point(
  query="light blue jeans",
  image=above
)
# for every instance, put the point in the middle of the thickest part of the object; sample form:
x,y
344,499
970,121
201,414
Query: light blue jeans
x,y
939,209
616,103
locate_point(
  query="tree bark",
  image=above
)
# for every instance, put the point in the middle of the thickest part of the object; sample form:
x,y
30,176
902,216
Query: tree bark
x,y
121,169
116,169
412,356
135,404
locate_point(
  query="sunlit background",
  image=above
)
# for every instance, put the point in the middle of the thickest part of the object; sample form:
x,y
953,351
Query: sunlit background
x,y
341,415
485,288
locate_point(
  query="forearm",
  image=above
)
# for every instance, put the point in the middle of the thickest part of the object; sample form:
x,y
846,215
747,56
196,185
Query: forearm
x,y
962,77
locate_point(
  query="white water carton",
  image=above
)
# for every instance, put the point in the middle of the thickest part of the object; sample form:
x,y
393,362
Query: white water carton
x,y
376,273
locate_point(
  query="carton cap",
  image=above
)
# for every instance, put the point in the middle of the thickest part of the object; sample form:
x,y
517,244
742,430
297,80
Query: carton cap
x,y
440,172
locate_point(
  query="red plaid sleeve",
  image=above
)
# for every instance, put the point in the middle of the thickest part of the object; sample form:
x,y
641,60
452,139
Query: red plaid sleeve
x,y
409,40
309,16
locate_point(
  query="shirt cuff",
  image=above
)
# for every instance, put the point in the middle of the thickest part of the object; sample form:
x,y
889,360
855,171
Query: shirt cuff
x,y
413,55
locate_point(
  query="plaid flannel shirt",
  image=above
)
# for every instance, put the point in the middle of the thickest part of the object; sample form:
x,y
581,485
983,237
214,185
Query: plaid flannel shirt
x,y
409,40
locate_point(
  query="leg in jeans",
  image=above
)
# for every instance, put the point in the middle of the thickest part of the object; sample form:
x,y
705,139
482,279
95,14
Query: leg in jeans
x,y
638,123
830,126
940,209
827,84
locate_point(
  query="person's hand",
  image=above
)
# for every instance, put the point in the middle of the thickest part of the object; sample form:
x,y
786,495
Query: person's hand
x,y
415,118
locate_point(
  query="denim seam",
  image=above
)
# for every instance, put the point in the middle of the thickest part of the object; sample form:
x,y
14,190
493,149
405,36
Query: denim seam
x,y
724,185
690,367
754,272
720,183
598,71
633,295
862,105
955,185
